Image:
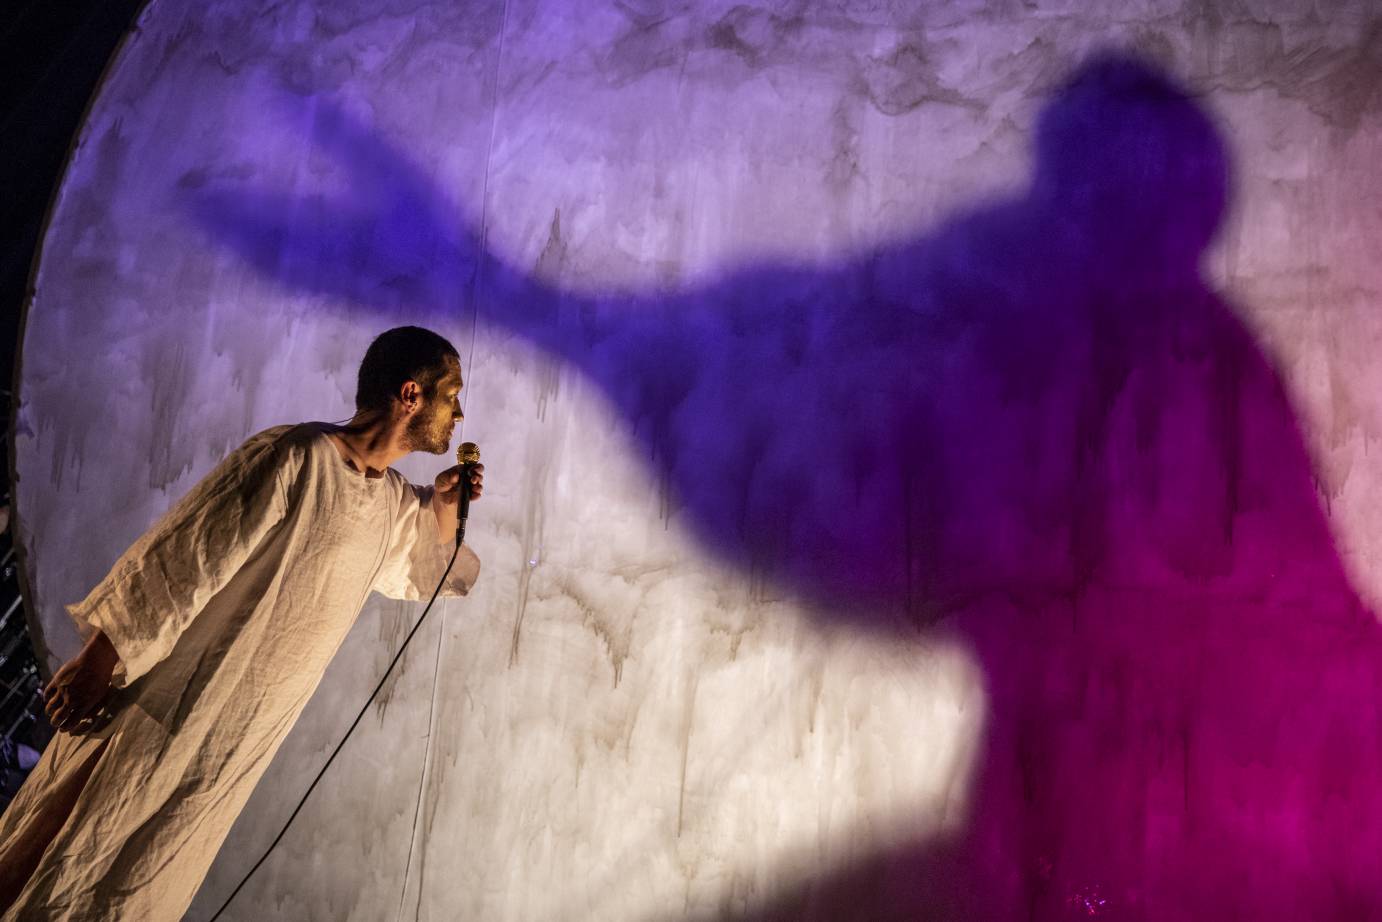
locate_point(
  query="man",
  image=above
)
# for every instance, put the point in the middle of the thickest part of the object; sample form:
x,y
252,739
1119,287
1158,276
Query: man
x,y
211,632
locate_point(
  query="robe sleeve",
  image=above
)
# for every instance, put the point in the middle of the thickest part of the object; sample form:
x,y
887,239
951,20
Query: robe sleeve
x,y
415,560
166,577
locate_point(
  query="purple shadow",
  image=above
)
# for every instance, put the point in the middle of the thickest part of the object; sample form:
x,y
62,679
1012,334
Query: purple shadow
x,y
1034,428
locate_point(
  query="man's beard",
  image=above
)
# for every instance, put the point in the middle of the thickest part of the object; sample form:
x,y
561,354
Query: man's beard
x,y
425,434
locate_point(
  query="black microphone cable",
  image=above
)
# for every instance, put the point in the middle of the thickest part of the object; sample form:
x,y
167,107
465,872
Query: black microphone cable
x,y
460,535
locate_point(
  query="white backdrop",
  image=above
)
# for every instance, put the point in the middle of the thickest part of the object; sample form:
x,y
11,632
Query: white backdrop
x,y
617,723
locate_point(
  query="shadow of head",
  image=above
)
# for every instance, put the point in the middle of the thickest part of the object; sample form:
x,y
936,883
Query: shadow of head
x,y
1128,159
970,393
892,433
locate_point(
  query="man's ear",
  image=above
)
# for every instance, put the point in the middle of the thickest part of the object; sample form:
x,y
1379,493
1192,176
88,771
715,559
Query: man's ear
x,y
411,395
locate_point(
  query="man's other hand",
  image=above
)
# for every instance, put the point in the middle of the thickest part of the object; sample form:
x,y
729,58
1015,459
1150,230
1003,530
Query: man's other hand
x,y
448,481
77,690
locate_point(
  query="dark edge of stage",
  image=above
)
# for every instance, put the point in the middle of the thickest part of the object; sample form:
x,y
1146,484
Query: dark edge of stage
x,y
54,58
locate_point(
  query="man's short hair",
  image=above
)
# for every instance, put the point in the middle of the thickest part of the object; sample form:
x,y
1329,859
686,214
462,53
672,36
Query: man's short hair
x,y
399,355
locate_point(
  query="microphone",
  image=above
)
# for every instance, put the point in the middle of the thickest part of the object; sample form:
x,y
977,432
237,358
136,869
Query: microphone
x,y
467,456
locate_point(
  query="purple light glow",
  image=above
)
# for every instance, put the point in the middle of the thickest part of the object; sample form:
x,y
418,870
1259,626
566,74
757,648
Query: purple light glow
x,y
1034,428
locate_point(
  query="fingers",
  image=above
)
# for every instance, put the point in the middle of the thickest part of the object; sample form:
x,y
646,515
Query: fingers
x,y
452,478
59,681
51,708
70,717
65,709
54,697
74,695
58,707
453,474
81,720
62,711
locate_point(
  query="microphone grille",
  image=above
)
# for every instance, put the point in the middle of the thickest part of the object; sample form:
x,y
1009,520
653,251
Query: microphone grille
x,y
468,453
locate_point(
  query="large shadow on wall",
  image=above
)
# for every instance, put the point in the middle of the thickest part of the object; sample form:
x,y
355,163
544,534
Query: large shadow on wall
x,y
1034,428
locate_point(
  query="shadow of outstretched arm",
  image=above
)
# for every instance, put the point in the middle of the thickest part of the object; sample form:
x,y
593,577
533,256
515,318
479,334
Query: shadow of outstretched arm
x,y
1034,422
760,372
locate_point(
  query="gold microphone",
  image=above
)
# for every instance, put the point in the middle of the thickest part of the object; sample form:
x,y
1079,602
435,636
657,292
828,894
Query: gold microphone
x,y
467,456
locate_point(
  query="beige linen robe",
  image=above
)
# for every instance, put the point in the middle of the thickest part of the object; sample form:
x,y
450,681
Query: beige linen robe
x,y
225,615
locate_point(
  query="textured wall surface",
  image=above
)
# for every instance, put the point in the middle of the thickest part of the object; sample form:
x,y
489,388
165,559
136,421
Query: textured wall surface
x,y
930,451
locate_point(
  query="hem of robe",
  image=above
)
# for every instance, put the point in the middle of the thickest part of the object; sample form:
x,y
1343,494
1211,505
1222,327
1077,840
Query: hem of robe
x,y
54,786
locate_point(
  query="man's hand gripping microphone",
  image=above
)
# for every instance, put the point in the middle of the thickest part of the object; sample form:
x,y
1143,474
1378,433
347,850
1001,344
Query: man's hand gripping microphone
x,y
468,455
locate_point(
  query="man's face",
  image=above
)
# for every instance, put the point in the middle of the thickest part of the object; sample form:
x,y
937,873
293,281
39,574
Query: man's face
x,y
430,428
